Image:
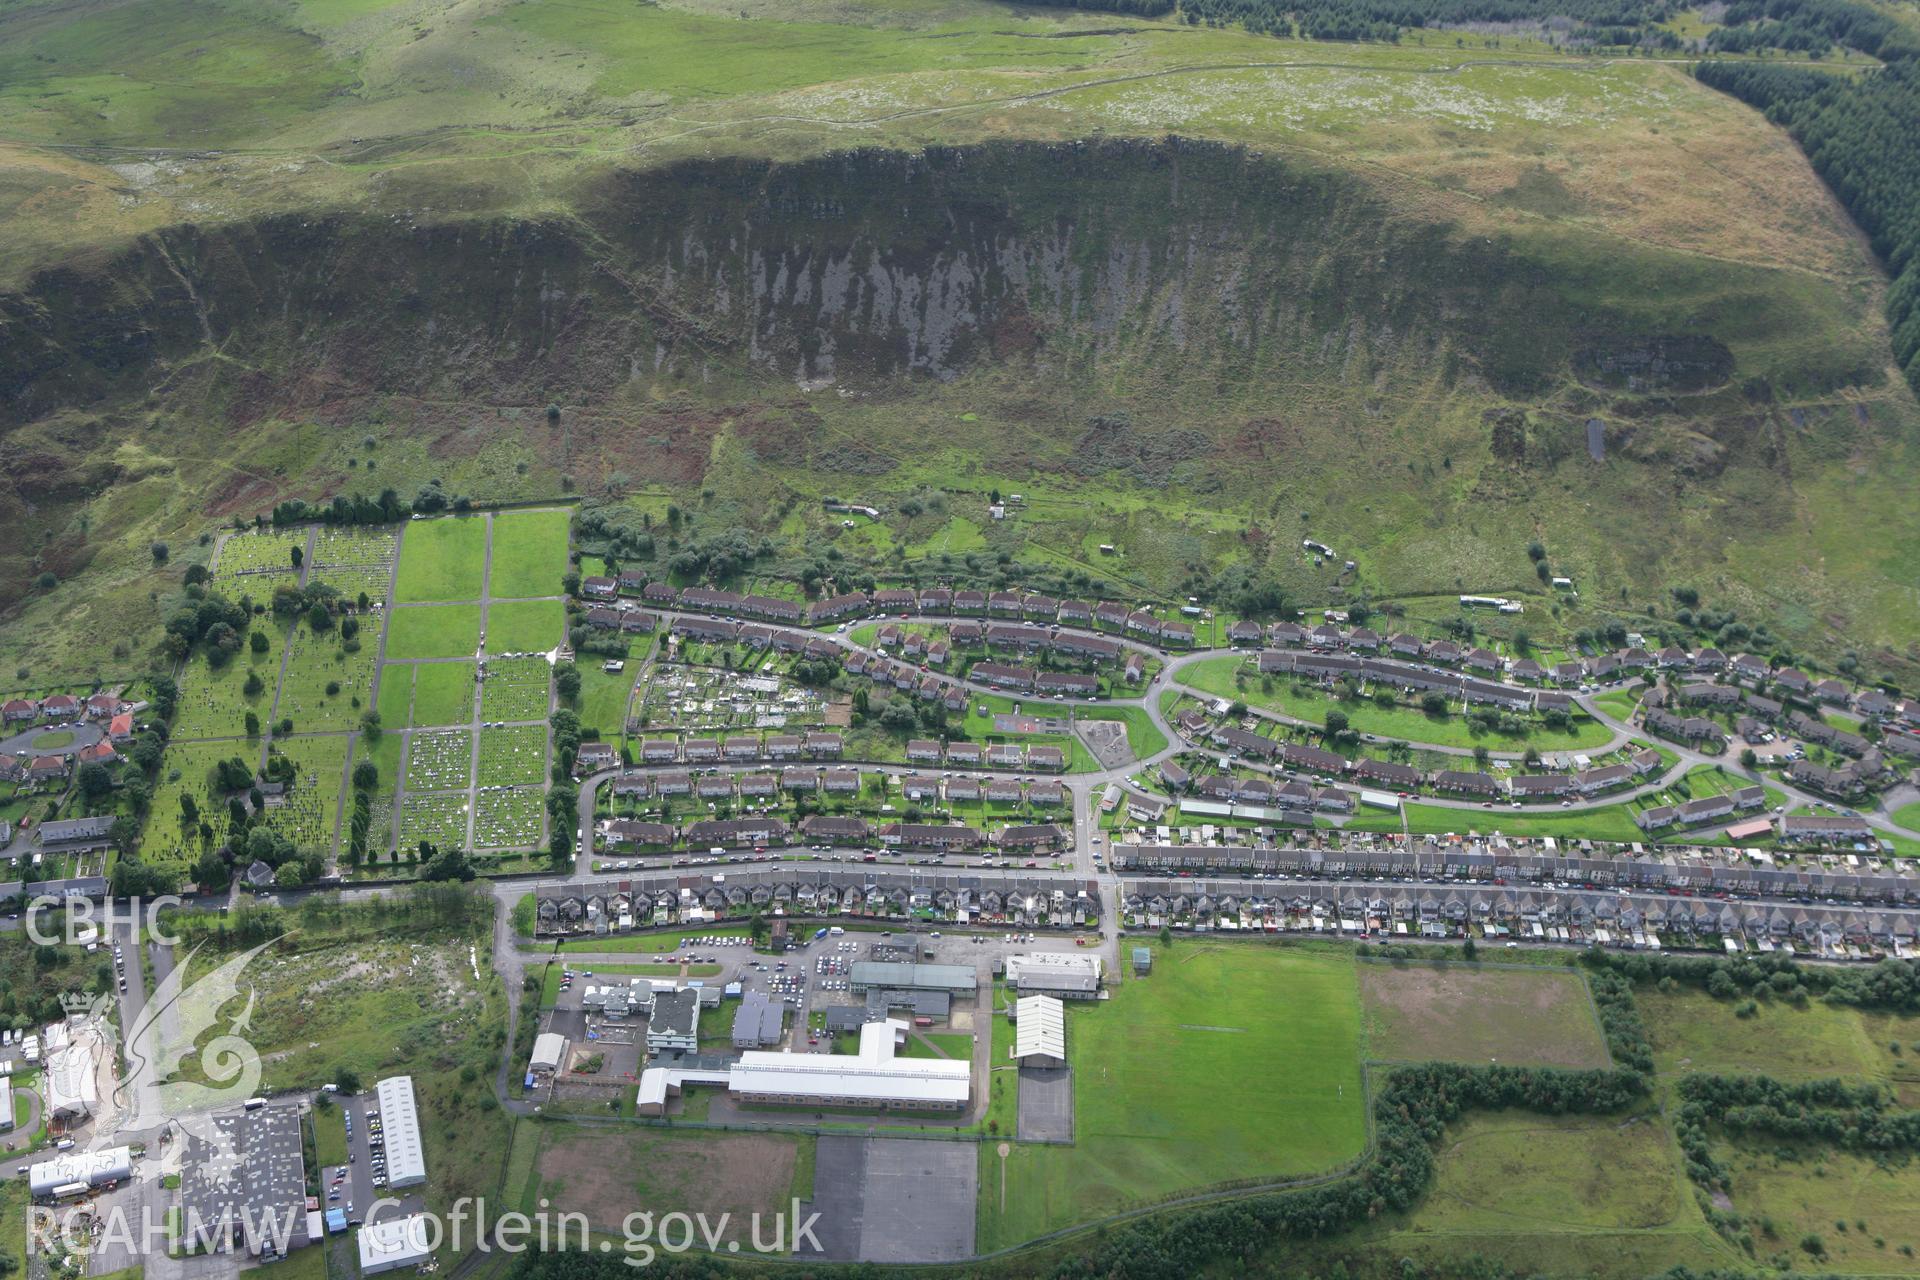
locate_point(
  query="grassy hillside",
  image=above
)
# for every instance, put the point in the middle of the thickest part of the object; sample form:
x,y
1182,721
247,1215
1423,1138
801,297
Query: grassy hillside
x,y
1376,298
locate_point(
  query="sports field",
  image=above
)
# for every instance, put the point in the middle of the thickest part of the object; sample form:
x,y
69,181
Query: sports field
x,y
441,560
1230,1062
1524,1016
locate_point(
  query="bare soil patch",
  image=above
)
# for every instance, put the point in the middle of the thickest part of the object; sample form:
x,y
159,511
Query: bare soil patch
x,y
607,1176
1457,1014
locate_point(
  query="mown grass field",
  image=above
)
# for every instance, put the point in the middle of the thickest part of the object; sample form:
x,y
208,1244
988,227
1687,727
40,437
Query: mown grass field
x,y
441,560
525,626
1228,1063
1606,822
433,631
1531,1016
529,553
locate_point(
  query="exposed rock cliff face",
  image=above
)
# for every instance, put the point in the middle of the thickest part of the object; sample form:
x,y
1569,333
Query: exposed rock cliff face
x,y
1186,258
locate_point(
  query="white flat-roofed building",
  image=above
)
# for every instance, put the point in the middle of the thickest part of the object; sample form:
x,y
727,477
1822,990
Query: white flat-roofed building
x,y
392,1243
873,1077
6,1103
400,1126
1040,1032
1068,975
94,1168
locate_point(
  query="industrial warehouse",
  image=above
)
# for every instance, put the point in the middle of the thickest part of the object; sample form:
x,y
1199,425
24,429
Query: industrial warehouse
x,y
874,1077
